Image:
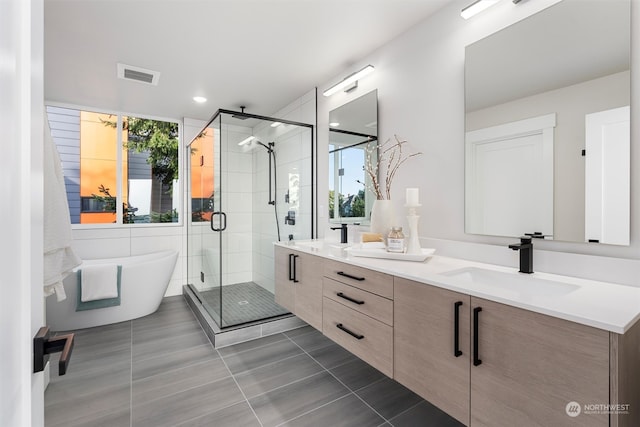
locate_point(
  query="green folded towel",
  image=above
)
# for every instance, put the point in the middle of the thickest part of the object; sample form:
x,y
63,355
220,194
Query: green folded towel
x,y
101,303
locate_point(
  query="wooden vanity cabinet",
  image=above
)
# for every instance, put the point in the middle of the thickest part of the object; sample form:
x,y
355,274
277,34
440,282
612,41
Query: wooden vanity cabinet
x,y
533,365
298,284
425,354
525,368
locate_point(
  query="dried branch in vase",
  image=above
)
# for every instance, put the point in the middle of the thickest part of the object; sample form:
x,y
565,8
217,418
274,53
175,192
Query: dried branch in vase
x,y
390,153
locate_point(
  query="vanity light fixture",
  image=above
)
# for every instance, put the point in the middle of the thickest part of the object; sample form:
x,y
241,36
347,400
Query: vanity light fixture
x,y
200,99
476,7
246,141
348,82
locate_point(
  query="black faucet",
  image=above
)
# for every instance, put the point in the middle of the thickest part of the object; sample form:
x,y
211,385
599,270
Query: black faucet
x,y
343,232
526,254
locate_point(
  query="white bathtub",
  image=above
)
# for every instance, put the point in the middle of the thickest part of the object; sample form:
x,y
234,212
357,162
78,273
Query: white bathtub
x,y
143,284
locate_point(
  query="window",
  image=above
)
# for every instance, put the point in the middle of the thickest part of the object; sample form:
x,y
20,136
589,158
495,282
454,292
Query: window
x,y
128,176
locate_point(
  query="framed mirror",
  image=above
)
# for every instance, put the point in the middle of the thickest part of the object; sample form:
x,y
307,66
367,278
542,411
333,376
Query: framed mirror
x,y
547,121
353,131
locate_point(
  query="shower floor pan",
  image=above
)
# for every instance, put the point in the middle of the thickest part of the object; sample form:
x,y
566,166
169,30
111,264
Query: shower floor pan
x,y
249,312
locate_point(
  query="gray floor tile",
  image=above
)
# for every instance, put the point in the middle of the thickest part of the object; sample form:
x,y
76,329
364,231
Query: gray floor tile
x,y
261,356
250,345
331,356
288,402
86,361
121,418
177,360
86,408
178,380
238,415
348,411
168,344
424,414
93,382
268,377
357,374
312,340
389,398
141,336
189,404
300,331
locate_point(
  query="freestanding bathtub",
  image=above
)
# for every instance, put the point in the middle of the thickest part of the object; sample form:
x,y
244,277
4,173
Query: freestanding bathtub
x,y
143,284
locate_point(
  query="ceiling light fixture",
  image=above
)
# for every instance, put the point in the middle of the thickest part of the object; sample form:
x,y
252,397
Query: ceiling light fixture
x,y
246,141
349,81
200,99
334,124
275,124
476,7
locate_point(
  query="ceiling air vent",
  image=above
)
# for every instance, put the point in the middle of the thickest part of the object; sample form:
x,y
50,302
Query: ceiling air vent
x,y
142,75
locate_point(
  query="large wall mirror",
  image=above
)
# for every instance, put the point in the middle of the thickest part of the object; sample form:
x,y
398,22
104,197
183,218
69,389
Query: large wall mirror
x,y
353,135
547,117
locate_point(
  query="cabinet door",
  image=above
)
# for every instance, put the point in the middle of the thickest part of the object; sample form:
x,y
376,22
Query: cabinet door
x,y
308,289
283,286
425,362
533,365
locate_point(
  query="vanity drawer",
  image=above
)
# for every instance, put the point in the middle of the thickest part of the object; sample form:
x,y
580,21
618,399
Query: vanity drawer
x,y
365,302
363,278
367,338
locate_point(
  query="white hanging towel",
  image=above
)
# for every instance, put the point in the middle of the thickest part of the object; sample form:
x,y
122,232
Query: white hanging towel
x,y
99,282
59,258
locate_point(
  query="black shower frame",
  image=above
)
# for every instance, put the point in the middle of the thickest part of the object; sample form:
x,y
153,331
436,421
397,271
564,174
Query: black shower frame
x,y
314,178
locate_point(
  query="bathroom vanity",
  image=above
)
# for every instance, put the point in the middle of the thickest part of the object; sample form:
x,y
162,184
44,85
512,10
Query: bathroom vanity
x,y
487,345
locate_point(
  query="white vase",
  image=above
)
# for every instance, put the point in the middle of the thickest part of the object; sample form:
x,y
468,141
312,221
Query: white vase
x,y
382,217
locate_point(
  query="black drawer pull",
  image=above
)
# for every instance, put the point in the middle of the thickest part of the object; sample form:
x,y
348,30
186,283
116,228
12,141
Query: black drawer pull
x,y
456,329
353,334
295,275
342,273
355,301
291,267
476,352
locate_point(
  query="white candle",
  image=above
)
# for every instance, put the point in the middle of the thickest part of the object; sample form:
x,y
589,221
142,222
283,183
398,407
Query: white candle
x,y
412,197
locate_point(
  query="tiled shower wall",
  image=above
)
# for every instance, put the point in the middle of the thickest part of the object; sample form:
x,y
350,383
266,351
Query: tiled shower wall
x,y
293,148
251,229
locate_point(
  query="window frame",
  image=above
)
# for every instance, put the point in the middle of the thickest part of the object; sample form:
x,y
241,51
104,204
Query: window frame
x,y
181,208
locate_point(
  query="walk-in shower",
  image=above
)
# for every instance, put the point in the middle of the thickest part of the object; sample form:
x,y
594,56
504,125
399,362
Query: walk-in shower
x,y
251,185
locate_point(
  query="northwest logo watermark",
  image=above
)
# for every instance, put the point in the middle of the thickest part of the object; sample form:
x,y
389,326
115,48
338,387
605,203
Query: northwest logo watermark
x,y
574,409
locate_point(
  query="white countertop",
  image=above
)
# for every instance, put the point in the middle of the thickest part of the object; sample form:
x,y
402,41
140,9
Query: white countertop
x,y
602,305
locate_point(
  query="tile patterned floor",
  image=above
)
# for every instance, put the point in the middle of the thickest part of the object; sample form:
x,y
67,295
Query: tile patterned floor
x,y
241,303
162,371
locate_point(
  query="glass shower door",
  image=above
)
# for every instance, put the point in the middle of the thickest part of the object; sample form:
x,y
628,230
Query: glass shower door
x,y
206,218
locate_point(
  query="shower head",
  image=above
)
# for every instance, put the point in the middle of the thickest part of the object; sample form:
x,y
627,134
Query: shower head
x,y
252,142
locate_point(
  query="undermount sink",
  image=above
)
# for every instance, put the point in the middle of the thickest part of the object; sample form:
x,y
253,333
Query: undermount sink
x,y
511,284
334,248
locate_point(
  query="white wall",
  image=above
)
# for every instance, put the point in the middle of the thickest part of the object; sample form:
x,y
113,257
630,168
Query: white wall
x,y
420,82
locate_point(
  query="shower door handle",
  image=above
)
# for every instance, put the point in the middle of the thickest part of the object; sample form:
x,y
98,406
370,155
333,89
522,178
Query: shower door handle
x,y
224,217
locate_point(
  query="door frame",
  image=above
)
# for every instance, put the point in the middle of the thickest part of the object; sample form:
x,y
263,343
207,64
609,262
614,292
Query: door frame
x,y
22,119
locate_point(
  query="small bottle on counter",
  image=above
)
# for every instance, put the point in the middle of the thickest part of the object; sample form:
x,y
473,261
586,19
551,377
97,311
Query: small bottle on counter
x,y
395,240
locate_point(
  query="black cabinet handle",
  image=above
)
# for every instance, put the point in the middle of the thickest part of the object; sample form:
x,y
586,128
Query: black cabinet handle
x,y
355,301
456,329
342,273
476,354
295,275
353,334
290,267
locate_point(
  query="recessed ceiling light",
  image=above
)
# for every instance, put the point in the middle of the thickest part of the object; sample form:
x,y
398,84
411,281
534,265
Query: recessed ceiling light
x,y
334,124
200,99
